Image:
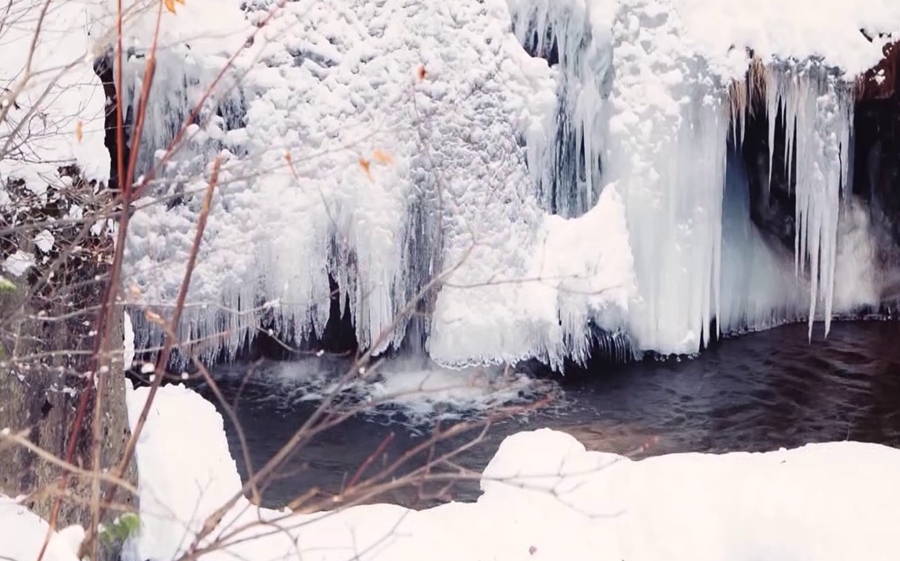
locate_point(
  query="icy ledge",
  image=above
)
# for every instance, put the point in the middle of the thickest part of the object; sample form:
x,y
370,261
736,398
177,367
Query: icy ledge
x,y
545,497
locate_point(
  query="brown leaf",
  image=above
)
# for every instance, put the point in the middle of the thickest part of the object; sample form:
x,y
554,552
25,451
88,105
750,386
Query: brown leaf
x,y
366,165
421,72
382,157
170,5
79,131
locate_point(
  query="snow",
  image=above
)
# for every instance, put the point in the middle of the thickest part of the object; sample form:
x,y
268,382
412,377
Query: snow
x,y
544,496
22,535
44,241
61,97
177,496
127,341
545,311
722,30
19,262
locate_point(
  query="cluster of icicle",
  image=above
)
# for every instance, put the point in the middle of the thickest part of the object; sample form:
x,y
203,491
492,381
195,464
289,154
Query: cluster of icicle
x,y
660,121
817,109
637,112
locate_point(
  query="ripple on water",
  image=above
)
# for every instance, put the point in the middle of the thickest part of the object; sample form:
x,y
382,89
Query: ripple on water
x,y
761,391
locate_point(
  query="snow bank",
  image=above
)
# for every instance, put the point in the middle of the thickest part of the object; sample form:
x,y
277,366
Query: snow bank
x,y
722,30
545,497
22,535
60,115
185,471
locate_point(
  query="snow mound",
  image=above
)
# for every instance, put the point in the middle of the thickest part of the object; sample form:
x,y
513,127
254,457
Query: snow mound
x,y
58,115
22,535
546,497
185,469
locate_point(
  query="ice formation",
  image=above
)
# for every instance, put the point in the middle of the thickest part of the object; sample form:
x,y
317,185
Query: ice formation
x,y
550,175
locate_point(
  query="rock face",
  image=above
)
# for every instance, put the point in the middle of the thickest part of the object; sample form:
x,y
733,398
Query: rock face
x,y
47,325
877,160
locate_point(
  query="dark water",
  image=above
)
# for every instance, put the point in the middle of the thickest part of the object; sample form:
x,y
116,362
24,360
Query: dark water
x,y
757,392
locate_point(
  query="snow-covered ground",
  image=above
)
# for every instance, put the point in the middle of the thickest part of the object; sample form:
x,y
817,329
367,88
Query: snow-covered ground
x,y
544,496
22,535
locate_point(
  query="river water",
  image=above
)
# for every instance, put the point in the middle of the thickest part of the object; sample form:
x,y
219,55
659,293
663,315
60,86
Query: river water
x,y
757,392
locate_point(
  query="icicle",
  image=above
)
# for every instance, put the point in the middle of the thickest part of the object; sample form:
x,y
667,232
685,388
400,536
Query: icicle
x,y
773,103
573,182
818,117
666,153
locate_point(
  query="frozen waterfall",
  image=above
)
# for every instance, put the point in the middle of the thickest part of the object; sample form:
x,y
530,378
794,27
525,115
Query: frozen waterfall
x,y
549,176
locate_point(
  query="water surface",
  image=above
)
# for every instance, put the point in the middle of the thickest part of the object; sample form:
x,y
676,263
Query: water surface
x,y
757,392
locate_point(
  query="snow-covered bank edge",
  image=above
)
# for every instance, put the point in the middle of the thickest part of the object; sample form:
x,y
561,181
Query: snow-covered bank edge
x,y
545,496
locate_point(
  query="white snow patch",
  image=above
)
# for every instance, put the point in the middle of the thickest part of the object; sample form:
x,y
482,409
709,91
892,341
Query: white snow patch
x,y
185,469
62,94
44,241
722,30
19,262
22,535
128,342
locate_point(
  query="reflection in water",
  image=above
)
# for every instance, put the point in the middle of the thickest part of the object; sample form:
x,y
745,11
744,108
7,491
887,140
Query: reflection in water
x,y
757,392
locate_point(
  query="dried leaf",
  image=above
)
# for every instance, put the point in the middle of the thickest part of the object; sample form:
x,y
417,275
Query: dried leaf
x,y
79,131
421,72
365,165
180,1
170,5
382,157
287,157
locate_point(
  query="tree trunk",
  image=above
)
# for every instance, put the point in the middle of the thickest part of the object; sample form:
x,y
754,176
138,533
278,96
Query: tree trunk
x,y
46,341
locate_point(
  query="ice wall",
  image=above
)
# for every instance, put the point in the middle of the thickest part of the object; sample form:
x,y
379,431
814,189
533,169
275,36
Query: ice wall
x,y
679,92
400,148
351,161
